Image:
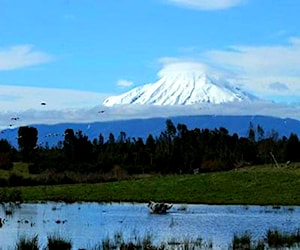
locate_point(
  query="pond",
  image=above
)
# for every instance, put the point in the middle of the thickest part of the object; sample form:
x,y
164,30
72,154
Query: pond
x,y
87,224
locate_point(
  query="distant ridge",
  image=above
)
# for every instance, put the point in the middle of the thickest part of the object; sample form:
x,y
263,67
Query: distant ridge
x,y
52,134
183,87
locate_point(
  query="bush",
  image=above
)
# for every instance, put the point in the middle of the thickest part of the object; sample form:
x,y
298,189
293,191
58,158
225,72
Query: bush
x,y
34,168
3,182
15,180
5,161
214,165
10,196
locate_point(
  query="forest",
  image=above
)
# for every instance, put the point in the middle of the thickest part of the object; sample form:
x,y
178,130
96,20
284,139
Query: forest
x,y
177,150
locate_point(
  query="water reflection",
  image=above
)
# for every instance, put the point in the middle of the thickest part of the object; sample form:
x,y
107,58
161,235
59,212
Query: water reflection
x,y
87,224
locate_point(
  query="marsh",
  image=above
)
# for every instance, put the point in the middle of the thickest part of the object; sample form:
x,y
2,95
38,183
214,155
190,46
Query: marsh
x,y
87,224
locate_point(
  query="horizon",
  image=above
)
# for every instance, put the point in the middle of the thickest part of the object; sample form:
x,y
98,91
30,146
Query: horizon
x,y
92,50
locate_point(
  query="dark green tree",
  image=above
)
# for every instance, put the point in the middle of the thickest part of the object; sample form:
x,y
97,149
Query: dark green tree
x,y
293,148
69,144
251,132
6,154
260,132
27,140
150,148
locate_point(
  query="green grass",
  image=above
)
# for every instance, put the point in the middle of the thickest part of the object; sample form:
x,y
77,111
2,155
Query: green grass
x,y
260,185
19,168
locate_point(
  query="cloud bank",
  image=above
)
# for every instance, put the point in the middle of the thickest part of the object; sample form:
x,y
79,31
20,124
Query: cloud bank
x,y
260,66
207,5
62,105
21,56
126,112
269,72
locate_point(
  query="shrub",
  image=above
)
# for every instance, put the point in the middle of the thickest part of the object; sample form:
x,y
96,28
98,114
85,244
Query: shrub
x,y
214,165
15,180
3,182
5,161
10,196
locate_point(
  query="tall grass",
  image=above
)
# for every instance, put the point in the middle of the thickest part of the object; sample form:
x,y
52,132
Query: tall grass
x,y
147,243
25,243
279,240
245,242
56,242
273,240
118,242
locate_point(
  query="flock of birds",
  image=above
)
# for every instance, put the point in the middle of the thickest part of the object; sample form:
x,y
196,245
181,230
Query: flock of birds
x,y
15,119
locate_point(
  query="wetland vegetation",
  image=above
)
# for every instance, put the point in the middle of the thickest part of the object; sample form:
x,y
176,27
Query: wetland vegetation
x,y
272,240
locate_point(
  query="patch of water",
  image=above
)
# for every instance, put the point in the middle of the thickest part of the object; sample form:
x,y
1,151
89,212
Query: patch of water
x,y
87,224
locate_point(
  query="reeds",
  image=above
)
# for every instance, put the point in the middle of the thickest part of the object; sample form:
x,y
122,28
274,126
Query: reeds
x,y
272,240
28,243
55,242
280,240
118,242
147,243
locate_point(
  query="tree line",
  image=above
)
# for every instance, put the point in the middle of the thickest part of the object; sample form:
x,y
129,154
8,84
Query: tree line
x,y
177,150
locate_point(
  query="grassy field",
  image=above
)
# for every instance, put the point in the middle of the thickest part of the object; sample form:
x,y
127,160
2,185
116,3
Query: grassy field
x,y
260,185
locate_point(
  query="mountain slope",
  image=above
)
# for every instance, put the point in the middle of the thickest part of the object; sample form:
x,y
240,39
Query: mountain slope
x,y
182,88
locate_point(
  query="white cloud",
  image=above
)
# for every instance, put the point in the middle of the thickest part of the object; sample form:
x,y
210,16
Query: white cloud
x,y
261,60
124,83
172,65
21,56
125,112
62,105
259,66
207,4
17,99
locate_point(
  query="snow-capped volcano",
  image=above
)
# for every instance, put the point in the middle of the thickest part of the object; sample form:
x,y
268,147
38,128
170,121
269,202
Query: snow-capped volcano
x,y
182,87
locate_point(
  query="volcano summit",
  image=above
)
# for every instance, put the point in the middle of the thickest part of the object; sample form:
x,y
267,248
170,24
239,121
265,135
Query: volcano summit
x,y
183,86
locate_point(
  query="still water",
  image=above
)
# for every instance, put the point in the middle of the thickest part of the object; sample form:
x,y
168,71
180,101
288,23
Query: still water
x,y
87,224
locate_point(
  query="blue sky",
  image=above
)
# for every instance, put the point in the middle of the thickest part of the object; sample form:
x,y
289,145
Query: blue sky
x,y
111,46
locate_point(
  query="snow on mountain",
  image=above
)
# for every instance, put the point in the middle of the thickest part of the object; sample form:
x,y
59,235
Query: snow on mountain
x,y
183,87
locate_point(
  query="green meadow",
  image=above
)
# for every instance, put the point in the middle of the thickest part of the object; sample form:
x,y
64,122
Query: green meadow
x,y
256,185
